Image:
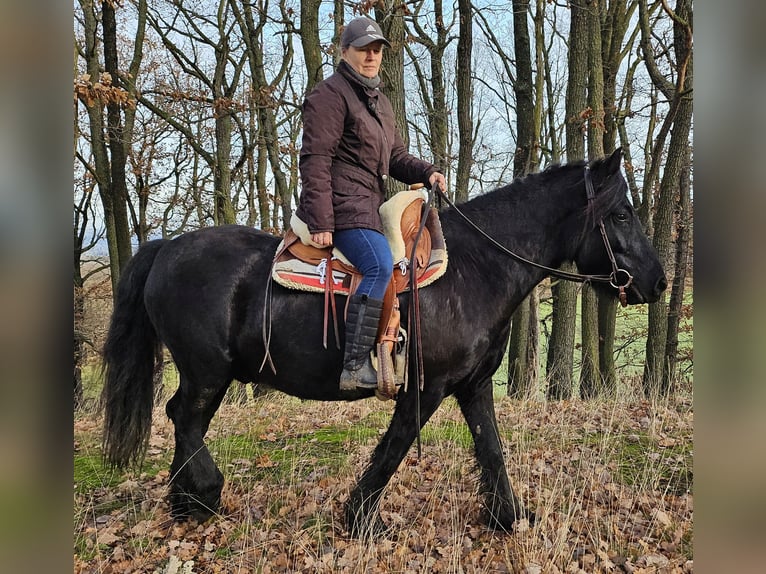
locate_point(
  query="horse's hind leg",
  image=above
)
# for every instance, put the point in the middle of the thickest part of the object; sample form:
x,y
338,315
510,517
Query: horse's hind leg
x,y
362,506
501,506
196,482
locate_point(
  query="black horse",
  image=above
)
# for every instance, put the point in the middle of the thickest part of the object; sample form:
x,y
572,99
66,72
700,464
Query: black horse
x,y
202,295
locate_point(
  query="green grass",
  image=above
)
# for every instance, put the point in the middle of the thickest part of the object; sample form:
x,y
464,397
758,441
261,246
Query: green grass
x,y
289,465
456,433
90,473
669,468
286,458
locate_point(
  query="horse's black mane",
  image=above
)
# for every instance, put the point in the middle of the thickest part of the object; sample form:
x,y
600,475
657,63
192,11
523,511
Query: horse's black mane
x,y
608,194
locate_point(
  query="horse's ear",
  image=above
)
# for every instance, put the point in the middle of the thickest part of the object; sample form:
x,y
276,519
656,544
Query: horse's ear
x,y
613,162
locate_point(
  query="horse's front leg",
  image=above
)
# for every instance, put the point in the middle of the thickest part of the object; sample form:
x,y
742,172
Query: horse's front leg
x,y
501,506
362,517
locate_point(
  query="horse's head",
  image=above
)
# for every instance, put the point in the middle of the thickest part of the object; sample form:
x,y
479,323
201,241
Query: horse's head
x,y
633,253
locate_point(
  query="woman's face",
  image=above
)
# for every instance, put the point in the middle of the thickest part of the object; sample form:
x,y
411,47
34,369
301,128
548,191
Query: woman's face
x,y
365,60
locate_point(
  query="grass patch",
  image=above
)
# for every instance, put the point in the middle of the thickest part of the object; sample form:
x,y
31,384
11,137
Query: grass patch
x,y
643,463
456,433
90,473
289,458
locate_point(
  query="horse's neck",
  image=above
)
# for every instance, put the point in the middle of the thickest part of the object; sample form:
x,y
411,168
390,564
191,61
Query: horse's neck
x,y
525,227
531,229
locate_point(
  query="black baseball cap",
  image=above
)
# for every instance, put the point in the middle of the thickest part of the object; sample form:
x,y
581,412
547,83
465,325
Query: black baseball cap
x,y
362,31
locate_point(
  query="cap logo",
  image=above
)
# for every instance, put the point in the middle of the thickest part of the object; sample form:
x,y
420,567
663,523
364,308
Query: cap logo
x,y
370,28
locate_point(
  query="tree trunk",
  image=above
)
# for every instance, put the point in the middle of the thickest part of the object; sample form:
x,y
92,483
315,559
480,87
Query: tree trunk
x,y
614,24
79,311
463,72
117,141
559,370
607,319
252,31
392,73
517,356
675,307
522,351
435,100
224,211
312,53
264,203
392,68
560,358
616,18
115,216
101,161
590,378
681,116
439,112
523,90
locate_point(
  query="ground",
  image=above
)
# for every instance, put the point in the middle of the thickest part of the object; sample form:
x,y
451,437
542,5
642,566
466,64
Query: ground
x,y
610,482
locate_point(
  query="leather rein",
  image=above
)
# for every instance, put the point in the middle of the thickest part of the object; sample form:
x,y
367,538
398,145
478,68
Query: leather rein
x,y
613,278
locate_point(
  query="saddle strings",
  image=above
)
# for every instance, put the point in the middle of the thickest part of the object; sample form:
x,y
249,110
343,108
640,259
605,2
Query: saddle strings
x,y
414,316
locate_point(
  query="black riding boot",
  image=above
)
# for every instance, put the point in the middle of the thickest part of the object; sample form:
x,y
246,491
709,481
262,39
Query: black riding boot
x,y
362,319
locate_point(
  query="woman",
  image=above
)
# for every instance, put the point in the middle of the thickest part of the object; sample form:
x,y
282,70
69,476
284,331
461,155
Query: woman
x,y
350,147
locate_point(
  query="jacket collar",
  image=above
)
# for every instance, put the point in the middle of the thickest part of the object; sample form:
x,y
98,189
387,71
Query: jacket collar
x,y
353,78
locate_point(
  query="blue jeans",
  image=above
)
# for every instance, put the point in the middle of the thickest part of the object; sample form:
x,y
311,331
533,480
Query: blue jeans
x,y
369,252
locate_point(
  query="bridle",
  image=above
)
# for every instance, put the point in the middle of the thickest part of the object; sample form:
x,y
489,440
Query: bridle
x,y
613,278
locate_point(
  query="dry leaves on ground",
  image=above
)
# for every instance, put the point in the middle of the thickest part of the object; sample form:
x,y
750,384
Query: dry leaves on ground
x,y
610,484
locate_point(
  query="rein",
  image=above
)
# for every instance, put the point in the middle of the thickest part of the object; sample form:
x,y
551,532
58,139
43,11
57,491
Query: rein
x,y
612,278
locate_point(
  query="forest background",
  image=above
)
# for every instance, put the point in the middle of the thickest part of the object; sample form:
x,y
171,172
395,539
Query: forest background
x,y
187,114
36,223
35,274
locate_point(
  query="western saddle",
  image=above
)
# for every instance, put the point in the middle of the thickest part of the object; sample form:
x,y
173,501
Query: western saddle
x,y
301,264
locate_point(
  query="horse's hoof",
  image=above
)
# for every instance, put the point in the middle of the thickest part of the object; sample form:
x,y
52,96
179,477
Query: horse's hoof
x,y
504,521
364,522
184,507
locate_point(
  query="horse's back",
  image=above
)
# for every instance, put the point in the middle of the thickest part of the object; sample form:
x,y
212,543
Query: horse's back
x,y
197,281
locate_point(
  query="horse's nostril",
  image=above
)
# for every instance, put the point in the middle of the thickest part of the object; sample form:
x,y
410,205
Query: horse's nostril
x,y
662,284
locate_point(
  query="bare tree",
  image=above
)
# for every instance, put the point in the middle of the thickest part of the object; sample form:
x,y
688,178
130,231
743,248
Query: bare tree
x,y
100,89
435,98
678,124
682,248
186,35
464,88
252,22
309,33
86,236
561,343
523,348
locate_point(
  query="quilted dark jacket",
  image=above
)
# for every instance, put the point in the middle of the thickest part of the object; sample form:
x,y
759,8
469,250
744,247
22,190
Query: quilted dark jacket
x,y
350,146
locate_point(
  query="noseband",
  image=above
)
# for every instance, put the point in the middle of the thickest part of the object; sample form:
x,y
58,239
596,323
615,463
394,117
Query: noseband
x,y
616,271
619,278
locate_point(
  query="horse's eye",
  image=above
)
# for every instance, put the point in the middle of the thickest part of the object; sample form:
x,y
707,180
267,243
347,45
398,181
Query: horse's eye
x,y
620,217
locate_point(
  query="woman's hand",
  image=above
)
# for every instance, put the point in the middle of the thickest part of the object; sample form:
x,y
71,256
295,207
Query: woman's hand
x,y
437,177
322,238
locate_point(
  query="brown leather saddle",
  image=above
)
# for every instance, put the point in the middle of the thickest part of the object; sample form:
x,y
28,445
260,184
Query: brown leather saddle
x,y
300,265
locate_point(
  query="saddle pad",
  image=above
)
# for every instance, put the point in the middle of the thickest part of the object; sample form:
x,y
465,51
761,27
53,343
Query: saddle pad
x,y
294,273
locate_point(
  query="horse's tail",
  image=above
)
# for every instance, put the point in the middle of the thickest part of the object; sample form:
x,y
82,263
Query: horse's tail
x,y
131,351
